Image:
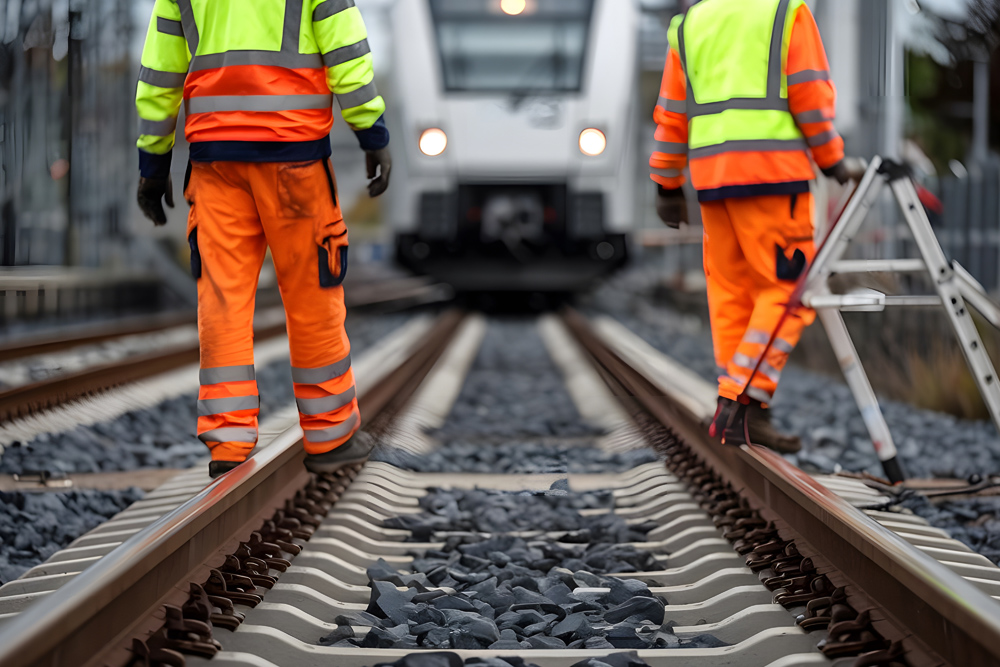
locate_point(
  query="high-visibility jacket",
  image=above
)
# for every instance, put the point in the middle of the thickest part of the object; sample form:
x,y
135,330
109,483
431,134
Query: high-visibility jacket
x,y
746,99
257,80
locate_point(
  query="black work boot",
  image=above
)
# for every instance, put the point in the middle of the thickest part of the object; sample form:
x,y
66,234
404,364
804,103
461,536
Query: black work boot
x,y
727,412
220,468
354,451
763,433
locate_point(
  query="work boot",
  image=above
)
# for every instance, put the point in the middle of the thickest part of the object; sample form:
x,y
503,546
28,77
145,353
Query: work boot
x,y
762,432
219,468
726,413
354,451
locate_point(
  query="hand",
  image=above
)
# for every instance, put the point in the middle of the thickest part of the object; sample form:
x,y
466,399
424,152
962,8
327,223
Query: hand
x,y
382,160
672,208
151,191
847,170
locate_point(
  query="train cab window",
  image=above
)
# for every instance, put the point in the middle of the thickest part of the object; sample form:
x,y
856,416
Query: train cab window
x,y
484,48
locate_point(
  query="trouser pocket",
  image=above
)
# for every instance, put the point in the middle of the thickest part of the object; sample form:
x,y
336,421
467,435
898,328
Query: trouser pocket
x,y
332,239
332,265
195,254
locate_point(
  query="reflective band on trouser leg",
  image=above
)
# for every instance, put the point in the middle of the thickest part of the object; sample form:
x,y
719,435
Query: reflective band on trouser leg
x,y
328,405
228,407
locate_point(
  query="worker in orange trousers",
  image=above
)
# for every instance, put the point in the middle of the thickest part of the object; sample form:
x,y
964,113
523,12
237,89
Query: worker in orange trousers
x,y
747,107
258,89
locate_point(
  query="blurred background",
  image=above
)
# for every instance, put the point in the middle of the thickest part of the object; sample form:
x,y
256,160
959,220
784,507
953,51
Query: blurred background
x,y
916,81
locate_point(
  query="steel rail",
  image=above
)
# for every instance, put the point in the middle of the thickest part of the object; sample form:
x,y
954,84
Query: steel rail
x,y
103,607
928,605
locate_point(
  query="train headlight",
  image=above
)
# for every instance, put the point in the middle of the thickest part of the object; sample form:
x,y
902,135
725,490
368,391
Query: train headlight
x,y
433,142
593,142
513,7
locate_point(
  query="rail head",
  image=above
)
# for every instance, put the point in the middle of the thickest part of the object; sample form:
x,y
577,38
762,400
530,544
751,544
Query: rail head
x,y
939,608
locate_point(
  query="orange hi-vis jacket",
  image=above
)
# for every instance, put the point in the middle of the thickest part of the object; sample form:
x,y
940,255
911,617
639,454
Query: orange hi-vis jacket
x,y
257,80
737,163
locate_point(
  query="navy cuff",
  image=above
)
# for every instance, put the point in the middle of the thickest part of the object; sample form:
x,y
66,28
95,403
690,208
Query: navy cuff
x,y
375,137
154,166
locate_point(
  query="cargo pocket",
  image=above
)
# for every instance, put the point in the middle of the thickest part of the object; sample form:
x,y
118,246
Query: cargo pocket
x,y
332,274
195,254
332,239
797,247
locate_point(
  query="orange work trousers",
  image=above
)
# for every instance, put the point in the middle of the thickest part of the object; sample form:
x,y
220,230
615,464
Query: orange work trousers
x,y
238,210
755,250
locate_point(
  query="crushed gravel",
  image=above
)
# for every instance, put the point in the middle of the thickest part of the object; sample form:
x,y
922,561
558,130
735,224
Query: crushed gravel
x,y
34,526
163,436
436,659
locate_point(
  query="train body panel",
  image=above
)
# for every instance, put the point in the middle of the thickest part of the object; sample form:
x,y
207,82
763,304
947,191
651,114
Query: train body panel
x,y
512,202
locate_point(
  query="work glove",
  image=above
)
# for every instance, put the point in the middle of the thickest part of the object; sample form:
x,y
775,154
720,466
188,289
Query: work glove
x,y
847,170
151,191
381,161
671,206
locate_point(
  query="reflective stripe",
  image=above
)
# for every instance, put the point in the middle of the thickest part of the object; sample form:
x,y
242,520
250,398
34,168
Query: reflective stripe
x,y
743,361
346,53
822,139
169,27
229,435
293,26
808,75
671,147
190,26
775,66
356,98
330,7
263,103
782,345
742,103
314,407
333,433
667,173
751,145
758,394
263,58
321,375
811,117
157,128
155,77
770,372
757,337
674,106
220,406
224,374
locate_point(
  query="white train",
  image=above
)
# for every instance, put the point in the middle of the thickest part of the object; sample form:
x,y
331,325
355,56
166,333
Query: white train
x,y
514,140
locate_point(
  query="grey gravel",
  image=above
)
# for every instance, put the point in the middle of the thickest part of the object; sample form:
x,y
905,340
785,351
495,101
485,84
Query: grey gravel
x,y
976,521
436,659
34,526
163,436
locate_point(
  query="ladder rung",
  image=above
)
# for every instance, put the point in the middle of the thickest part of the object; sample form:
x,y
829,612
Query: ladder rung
x,y
913,301
859,300
879,266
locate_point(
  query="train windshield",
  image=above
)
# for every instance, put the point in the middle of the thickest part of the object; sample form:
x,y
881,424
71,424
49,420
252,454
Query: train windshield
x,y
515,46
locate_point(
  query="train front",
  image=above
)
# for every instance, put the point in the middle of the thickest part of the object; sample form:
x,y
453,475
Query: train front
x,y
517,120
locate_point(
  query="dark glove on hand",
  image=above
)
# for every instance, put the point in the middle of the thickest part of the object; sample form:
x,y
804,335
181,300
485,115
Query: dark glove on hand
x,y
838,171
382,160
151,191
671,206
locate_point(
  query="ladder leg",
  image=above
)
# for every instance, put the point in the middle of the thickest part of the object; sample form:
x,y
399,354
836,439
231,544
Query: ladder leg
x,y
950,287
857,380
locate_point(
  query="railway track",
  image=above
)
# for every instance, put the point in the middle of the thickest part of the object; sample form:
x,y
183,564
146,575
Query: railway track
x,y
741,558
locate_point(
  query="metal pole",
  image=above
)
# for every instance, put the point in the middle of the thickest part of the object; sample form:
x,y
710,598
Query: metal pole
x,y
981,111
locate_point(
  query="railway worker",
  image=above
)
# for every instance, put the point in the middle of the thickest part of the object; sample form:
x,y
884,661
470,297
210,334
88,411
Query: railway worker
x,y
257,79
746,101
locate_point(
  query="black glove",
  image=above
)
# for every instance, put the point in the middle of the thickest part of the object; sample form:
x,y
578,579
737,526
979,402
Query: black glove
x,y
382,160
151,191
847,170
671,206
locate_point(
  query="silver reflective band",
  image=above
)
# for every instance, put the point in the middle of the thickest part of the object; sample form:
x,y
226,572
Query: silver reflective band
x,y
783,346
674,106
346,53
262,103
671,147
157,128
321,375
822,139
155,77
356,98
190,26
759,395
751,145
333,433
667,173
808,75
770,372
740,103
263,58
226,374
313,407
743,361
775,66
220,406
811,117
169,27
229,435
330,7
757,337
293,24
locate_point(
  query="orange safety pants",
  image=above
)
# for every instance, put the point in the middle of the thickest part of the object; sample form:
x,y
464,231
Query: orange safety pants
x,y
755,250
238,210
